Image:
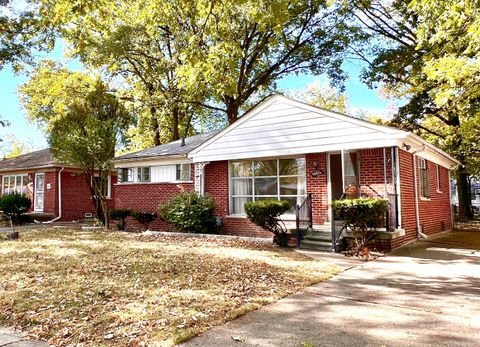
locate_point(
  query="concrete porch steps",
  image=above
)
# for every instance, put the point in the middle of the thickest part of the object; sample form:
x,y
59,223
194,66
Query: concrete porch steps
x,y
318,238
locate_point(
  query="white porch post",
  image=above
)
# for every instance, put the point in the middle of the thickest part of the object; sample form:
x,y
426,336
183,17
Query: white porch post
x,y
200,177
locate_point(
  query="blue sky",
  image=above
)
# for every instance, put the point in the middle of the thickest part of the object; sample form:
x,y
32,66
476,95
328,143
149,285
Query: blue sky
x,y
359,96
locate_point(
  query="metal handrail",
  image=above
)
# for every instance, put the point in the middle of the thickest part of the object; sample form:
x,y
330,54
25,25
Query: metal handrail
x,y
304,217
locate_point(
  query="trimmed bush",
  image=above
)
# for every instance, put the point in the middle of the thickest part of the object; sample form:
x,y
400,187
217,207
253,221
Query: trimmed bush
x,y
363,216
120,215
189,212
145,218
14,205
266,214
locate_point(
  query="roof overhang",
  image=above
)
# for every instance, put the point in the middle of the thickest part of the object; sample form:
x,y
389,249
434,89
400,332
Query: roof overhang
x,y
151,161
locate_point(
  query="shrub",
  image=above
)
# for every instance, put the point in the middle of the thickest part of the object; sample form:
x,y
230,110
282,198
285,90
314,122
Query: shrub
x,y
120,215
266,214
14,205
363,216
189,212
144,218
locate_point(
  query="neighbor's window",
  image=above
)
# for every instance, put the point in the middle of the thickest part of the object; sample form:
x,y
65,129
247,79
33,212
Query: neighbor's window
x,y
278,179
107,188
143,174
15,183
437,176
424,179
183,172
126,175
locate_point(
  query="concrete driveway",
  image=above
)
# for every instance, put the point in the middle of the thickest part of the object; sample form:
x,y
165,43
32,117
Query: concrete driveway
x,y
425,294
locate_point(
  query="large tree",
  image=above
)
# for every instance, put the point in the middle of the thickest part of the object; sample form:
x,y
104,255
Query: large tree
x,y
22,30
83,121
428,53
193,60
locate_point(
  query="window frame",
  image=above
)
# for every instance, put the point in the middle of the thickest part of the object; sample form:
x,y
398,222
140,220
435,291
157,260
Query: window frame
x,y
23,188
424,178
179,172
141,174
437,178
109,185
252,177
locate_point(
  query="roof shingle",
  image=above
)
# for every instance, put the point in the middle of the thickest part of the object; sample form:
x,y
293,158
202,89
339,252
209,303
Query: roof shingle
x,y
169,149
37,159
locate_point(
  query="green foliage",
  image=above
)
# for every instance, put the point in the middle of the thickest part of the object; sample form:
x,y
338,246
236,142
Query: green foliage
x,y
22,30
83,120
14,205
323,96
120,215
266,214
189,212
144,218
427,52
363,216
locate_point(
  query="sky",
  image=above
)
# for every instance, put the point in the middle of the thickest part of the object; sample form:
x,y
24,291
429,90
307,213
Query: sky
x,y
359,98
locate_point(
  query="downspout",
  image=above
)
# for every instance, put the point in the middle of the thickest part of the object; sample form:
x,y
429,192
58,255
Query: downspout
x,y
420,234
59,197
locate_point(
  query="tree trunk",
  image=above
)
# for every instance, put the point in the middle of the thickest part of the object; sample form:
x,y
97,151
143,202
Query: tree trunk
x,y
155,126
464,194
175,124
233,107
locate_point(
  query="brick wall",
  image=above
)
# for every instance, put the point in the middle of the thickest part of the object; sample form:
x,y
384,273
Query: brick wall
x,y
50,195
435,212
317,185
372,178
145,198
76,196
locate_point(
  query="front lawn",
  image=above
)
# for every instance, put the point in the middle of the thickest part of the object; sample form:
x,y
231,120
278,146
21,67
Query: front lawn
x,y
97,288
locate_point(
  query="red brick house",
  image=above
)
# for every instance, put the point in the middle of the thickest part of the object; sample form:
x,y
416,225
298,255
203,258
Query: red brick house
x,y
284,149
58,192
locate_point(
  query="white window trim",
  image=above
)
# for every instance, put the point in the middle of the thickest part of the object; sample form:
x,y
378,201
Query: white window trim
x,y
15,180
437,178
230,180
109,185
138,171
182,171
422,165
137,168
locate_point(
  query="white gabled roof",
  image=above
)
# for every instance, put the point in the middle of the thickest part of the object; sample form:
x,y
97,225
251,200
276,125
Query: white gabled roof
x,y
280,126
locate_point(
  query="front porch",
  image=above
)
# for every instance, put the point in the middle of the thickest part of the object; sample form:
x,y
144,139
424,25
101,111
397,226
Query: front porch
x,y
322,177
371,172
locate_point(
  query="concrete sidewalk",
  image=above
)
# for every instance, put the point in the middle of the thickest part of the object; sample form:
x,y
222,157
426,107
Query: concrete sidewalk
x,y
425,294
10,338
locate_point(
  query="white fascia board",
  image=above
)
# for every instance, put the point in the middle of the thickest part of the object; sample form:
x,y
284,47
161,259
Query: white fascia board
x,y
429,152
274,153
151,162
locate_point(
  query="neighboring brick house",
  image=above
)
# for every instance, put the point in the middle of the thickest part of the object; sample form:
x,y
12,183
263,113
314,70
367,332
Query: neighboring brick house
x,y
58,192
284,149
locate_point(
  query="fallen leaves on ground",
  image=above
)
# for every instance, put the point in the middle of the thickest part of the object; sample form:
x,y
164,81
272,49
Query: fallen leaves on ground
x,y
75,287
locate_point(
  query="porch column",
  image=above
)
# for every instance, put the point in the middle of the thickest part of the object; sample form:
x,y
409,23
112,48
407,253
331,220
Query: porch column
x,y
199,182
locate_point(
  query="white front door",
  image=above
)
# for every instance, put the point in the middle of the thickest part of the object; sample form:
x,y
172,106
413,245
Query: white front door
x,y
39,192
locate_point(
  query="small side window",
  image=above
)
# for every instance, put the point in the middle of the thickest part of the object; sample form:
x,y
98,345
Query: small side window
x,y
183,172
143,174
424,178
439,186
125,175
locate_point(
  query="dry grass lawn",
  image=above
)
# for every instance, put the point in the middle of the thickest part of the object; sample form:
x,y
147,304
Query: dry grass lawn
x,y
97,288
